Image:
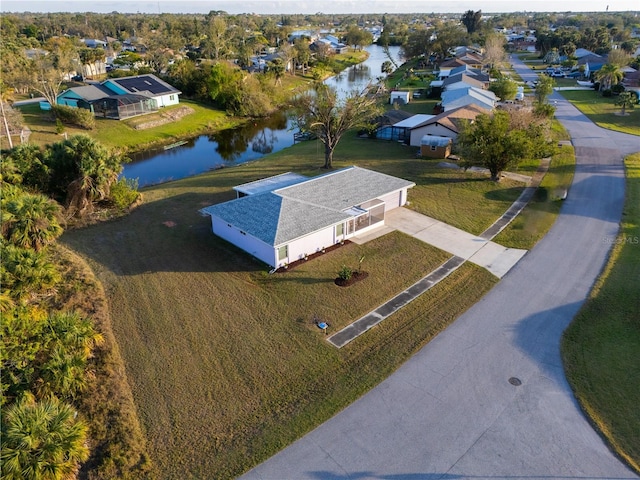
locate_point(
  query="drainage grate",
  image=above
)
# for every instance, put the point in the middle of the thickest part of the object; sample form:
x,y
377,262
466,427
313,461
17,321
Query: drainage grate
x,y
515,381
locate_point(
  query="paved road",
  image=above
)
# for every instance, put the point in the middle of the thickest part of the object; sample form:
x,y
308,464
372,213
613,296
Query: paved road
x,y
450,412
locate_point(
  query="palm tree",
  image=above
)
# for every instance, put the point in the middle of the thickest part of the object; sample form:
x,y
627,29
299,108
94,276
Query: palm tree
x,y
31,221
71,343
25,274
608,76
42,441
626,100
82,171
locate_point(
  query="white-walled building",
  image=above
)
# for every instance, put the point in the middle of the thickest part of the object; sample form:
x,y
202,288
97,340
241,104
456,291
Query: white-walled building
x,y
286,218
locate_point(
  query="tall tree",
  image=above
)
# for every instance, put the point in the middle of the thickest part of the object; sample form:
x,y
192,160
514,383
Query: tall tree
x,y
42,441
544,88
491,142
504,87
82,171
627,100
52,67
324,114
494,53
472,20
608,76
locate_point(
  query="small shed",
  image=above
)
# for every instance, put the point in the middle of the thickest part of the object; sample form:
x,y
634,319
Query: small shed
x,y
434,146
399,97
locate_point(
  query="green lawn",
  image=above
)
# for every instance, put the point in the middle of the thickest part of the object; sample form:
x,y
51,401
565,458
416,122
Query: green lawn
x,y
603,111
601,347
122,134
225,364
539,215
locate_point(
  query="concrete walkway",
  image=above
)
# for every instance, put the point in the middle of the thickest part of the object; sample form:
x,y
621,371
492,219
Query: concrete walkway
x,y
495,258
487,398
464,246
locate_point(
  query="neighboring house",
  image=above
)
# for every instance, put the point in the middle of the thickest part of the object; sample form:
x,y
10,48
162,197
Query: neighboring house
x,y
94,43
385,123
334,43
462,80
446,124
121,98
400,97
461,97
148,85
401,131
432,146
285,218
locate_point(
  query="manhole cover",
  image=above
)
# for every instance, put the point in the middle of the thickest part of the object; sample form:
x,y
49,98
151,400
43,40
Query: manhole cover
x,y
515,381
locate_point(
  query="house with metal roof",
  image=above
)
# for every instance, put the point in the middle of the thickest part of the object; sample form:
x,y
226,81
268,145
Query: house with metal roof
x,y
445,124
286,218
120,98
468,96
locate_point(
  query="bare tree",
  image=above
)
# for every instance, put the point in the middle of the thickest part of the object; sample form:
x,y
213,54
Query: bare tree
x,y
329,118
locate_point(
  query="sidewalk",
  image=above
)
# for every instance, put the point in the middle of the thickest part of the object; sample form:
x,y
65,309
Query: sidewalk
x,y
477,249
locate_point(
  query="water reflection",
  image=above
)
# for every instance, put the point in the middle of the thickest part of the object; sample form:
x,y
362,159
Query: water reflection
x,y
248,142
225,148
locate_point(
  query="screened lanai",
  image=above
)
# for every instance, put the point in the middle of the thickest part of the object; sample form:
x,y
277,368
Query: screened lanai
x,y
124,106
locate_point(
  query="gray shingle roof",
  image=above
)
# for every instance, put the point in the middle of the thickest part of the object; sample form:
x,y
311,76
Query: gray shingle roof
x,y
283,215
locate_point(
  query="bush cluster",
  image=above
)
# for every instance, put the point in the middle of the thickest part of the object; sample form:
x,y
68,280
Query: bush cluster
x,y
80,117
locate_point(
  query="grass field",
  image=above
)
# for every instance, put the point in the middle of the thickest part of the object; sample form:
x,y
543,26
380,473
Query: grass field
x,y
539,215
603,111
601,347
225,363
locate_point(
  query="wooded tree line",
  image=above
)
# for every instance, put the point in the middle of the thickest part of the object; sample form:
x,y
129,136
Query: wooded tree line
x,y
45,351
200,54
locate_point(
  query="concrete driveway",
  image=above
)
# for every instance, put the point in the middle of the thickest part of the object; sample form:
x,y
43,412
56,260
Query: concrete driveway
x,y
495,258
487,398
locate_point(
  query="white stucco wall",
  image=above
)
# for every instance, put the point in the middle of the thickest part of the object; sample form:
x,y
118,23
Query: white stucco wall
x,y
394,200
165,100
249,244
310,244
439,130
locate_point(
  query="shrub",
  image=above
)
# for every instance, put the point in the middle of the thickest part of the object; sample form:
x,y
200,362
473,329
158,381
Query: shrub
x,y
617,89
345,273
124,192
607,92
79,117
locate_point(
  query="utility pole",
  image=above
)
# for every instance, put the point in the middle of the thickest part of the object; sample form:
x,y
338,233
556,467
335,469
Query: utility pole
x,y
6,125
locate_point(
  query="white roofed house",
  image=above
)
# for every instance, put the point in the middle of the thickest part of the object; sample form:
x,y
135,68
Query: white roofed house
x,y
286,218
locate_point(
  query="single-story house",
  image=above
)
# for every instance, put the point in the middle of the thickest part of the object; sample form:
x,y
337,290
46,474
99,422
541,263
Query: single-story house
x,y
445,124
462,80
401,131
468,96
433,146
285,218
398,96
148,85
122,97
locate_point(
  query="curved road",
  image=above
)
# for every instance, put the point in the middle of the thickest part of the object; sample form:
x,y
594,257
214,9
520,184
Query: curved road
x,y
450,412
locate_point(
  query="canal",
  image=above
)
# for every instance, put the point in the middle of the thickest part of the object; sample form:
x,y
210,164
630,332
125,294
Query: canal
x,y
248,142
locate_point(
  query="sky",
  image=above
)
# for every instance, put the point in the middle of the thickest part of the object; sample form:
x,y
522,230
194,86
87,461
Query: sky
x,y
315,6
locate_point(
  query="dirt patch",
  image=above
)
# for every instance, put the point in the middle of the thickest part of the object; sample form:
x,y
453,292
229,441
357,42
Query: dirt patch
x,y
167,117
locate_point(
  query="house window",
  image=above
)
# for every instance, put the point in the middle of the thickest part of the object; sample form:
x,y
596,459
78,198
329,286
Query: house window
x,y
283,252
433,148
171,97
340,230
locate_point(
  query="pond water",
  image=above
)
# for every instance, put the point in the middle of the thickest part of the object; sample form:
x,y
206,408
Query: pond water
x,y
246,143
